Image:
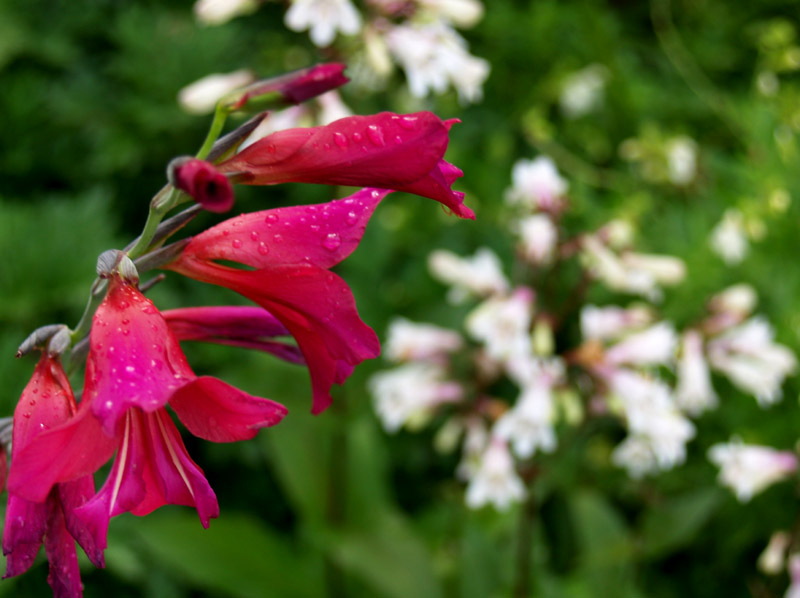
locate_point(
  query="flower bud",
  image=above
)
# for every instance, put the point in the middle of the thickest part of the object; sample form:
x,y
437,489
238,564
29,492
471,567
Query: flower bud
x,y
200,179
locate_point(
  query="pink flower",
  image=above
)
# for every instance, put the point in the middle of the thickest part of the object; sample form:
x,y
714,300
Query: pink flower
x,y
290,251
209,187
47,401
388,151
134,368
295,87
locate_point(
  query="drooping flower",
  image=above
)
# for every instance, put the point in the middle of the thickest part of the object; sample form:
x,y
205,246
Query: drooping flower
x,y
495,480
480,275
694,393
503,324
387,151
135,367
653,346
200,179
410,341
583,90
324,18
539,237
729,239
291,250
536,185
747,469
612,322
773,560
47,401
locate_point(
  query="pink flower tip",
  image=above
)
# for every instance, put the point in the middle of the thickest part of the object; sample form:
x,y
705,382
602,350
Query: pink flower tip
x,y
200,179
295,87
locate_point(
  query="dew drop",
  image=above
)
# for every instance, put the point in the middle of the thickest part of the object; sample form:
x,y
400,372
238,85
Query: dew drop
x,y
351,218
331,241
124,305
409,123
125,321
130,369
339,139
398,140
263,249
375,134
357,137
27,414
271,148
270,218
236,244
277,238
36,391
315,227
32,402
226,232
254,236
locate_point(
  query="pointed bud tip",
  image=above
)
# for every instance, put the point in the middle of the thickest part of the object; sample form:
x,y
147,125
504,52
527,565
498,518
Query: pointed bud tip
x,y
200,179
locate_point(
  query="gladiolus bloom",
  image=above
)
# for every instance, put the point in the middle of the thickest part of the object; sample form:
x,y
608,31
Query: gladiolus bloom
x,y
46,402
293,88
387,151
134,368
292,250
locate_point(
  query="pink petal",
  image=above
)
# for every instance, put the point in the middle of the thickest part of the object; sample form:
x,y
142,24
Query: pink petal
x,y
437,186
298,86
219,412
200,179
134,358
26,522
322,234
64,576
74,495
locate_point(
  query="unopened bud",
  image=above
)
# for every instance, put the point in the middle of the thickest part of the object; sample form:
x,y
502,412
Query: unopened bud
x,y
107,262
39,337
127,270
59,342
200,179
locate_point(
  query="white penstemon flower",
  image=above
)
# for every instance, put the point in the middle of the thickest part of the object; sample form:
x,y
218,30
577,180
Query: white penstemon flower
x,y
729,238
612,322
681,160
462,13
582,91
217,12
324,18
749,469
201,97
652,346
480,275
409,341
503,324
536,185
539,238
495,481
694,393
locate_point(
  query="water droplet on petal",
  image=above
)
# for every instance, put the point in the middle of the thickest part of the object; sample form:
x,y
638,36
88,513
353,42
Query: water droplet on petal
x,y
226,232
270,218
351,218
254,236
331,242
263,249
277,238
398,140
408,122
375,134
357,137
236,244
339,139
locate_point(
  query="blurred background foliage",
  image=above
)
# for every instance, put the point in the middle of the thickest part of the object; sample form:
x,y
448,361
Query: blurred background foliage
x,y
331,505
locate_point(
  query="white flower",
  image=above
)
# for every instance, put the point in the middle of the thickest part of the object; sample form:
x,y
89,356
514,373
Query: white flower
x,y
793,591
539,237
496,480
408,394
217,12
728,239
462,13
324,18
606,266
635,454
409,341
201,97
694,393
503,324
582,91
773,559
749,469
681,160
753,362
479,275
665,269
652,346
434,56
536,185
739,300
609,323
476,439
332,108
529,424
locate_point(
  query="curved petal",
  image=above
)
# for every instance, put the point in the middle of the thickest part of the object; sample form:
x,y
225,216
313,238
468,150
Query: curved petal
x,y
74,495
26,522
223,321
64,576
219,412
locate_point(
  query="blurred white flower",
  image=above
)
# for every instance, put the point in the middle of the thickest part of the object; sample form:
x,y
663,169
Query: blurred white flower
x,y
409,341
773,559
748,356
324,18
619,233
694,393
536,185
503,324
462,13
496,480
217,12
728,238
407,395
582,91
665,269
529,424
201,97
332,108
434,56
609,323
793,591
739,299
480,275
635,455
476,440
652,346
539,237
681,160
747,469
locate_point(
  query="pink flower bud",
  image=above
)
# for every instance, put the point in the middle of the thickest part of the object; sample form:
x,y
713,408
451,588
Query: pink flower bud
x,y
209,187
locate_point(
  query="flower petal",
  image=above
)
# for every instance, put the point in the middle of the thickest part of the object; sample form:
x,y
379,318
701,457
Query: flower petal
x,y
24,530
74,495
64,576
219,412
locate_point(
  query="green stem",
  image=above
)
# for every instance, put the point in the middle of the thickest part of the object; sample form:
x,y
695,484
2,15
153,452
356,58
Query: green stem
x,y
527,517
213,132
163,202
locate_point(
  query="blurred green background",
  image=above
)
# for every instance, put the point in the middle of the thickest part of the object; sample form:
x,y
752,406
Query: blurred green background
x,y
331,505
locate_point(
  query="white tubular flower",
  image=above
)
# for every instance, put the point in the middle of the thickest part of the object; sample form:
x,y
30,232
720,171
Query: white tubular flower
x,y
476,439
324,18
407,395
201,97
480,275
694,393
773,559
539,238
793,591
461,13
433,56
503,324
332,108
529,425
217,12
728,239
496,481
409,341
665,269
536,185
635,455
609,323
749,469
681,160
748,356
582,91
738,300
607,267
652,346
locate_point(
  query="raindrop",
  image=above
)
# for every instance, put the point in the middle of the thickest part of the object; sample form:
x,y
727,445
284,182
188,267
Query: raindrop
x,y
270,218
263,249
351,218
409,123
236,243
277,238
254,236
331,241
398,140
315,227
226,232
375,134
357,137
339,139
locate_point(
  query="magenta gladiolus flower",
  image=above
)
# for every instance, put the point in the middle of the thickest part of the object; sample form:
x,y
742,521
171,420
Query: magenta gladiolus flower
x,y
46,402
387,151
295,87
291,250
135,367
209,187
